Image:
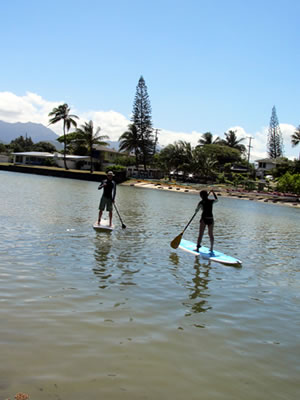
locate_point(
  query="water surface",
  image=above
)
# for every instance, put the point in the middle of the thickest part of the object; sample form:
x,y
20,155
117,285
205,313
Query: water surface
x,y
89,315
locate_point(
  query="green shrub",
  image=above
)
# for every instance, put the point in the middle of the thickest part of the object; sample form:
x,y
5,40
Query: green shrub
x,y
221,178
49,162
79,164
115,168
289,183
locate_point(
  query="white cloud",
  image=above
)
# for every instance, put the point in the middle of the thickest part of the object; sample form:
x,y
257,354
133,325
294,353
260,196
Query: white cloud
x,y
33,108
111,122
166,137
29,108
260,140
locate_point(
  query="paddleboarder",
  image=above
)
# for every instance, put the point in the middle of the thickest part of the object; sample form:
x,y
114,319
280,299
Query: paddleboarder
x,y
207,218
108,196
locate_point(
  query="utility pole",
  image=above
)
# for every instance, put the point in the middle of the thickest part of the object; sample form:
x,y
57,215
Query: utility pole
x,y
249,147
155,140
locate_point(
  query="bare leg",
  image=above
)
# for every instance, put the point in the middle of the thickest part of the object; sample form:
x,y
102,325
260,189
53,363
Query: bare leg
x,y
211,236
201,232
100,216
110,218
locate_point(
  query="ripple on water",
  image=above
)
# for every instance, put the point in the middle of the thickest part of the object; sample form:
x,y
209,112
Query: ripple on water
x,y
125,315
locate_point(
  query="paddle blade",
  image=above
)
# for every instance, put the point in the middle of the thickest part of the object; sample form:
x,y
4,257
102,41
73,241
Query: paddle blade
x,y
176,242
123,226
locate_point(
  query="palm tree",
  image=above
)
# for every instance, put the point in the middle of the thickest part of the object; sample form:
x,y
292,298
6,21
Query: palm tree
x,y
296,138
176,156
203,163
232,141
88,137
207,138
130,141
185,154
60,113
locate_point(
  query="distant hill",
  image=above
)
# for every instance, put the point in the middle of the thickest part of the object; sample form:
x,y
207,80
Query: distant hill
x,y
37,132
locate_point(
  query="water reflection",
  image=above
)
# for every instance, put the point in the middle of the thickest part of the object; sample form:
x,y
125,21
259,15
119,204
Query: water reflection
x,y
200,287
103,245
174,258
114,261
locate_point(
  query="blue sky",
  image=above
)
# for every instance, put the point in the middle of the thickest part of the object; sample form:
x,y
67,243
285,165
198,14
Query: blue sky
x,y
209,65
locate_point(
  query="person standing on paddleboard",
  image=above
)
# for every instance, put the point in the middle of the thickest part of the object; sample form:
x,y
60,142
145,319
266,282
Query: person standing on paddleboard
x,y
108,197
207,218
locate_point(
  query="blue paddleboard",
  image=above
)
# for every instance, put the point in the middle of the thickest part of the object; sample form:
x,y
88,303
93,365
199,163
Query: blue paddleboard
x,y
204,252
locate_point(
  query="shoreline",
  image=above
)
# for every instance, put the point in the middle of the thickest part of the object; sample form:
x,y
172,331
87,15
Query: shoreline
x,y
263,197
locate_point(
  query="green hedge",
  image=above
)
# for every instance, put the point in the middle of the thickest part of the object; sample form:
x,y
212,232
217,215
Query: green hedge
x,y
289,183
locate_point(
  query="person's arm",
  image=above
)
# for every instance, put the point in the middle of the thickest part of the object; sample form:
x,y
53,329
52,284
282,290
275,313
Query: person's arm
x,y
102,185
114,191
215,196
199,206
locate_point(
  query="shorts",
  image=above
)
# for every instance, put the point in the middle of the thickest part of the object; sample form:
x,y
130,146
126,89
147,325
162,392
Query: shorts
x,y
105,202
207,220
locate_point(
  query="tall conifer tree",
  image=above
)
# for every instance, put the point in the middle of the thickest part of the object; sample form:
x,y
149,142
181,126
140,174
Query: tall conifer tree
x,y
275,142
142,119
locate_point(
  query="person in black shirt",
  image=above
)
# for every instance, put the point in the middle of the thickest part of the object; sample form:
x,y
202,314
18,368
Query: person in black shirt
x,y
108,197
207,218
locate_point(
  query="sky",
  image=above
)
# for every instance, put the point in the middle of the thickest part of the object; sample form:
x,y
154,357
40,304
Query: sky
x,y
210,66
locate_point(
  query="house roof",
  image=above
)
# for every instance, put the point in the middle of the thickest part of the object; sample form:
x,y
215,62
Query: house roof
x,y
104,148
34,154
270,160
43,154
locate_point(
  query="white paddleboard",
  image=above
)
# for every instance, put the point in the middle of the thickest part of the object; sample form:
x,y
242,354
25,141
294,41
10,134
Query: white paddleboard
x,y
204,252
104,226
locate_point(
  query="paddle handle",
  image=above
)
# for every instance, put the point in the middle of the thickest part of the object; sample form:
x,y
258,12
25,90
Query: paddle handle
x,y
189,222
123,225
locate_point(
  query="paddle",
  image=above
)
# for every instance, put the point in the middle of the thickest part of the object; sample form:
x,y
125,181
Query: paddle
x,y
176,241
123,225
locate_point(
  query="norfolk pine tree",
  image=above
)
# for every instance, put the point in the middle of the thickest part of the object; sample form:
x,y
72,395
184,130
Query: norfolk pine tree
x,y
275,143
142,119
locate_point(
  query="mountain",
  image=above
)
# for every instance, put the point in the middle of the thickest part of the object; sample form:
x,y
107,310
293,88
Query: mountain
x,y
37,132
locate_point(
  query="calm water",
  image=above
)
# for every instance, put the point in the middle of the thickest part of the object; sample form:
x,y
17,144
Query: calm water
x,y
88,315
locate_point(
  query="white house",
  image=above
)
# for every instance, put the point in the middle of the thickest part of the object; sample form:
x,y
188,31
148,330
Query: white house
x,y
265,165
39,158
4,158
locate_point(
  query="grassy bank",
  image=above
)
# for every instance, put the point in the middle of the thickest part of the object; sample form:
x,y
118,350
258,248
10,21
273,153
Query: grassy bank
x,y
96,176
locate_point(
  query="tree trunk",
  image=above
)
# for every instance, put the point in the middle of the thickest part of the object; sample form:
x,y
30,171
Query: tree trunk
x,y
65,147
91,160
